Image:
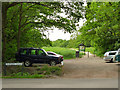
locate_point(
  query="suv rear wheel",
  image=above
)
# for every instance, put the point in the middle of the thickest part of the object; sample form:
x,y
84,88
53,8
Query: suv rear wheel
x,y
27,63
52,63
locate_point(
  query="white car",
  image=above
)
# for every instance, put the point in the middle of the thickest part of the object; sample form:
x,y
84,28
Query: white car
x,y
117,56
109,56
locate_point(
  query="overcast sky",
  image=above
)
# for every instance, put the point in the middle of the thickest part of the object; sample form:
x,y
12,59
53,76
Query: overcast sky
x,y
59,34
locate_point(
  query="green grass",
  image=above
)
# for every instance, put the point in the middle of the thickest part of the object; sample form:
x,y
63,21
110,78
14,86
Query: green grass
x,y
25,75
66,52
32,76
40,72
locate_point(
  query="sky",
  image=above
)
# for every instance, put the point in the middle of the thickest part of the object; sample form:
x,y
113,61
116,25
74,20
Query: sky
x,y
59,34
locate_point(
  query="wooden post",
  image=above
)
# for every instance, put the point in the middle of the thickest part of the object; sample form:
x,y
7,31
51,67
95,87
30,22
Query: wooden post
x,y
22,70
5,69
88,54
94,53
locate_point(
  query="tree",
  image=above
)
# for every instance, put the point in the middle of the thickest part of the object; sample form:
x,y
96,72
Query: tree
x,y
5,7
102,27
21,17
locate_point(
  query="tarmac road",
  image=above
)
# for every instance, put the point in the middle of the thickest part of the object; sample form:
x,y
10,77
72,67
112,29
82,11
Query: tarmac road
x,y
60,83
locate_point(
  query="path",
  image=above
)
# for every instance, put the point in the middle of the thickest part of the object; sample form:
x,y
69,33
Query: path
x,y
92,67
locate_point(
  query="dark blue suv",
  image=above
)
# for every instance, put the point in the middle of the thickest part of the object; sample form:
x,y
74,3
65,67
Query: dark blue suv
x,y
35,55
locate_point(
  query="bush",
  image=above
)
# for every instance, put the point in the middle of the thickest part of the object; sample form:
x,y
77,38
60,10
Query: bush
x,y
94,51
90,49
54,70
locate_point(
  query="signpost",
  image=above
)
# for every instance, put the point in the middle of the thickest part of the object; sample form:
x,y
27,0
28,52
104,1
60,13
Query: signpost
x,y
81,47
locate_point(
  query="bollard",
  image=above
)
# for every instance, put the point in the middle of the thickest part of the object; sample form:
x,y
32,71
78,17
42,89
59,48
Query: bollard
x,y
94,53
88,54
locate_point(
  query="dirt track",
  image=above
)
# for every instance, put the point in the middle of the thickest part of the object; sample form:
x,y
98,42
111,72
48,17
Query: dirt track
x,y
92,67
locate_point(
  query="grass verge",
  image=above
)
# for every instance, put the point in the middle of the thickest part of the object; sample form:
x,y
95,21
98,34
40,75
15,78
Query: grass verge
x,y
39,72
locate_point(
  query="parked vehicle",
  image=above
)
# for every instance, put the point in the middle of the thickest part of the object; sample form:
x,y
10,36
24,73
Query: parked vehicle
x,y
109,56
35,55
53,53
117,56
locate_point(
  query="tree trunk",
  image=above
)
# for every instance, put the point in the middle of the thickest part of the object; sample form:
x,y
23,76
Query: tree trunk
x,y
4,20
19,28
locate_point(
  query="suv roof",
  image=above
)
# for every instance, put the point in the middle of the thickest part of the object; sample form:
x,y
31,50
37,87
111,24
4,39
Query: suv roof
x,y
113,51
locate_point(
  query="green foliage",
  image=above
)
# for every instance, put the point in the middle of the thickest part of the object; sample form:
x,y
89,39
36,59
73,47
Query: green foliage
x,y
101,29
24,23
60,43
66,52
91,50
40,72
24,75
54,70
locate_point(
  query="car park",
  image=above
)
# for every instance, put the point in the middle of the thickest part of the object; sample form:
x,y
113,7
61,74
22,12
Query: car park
x,y
37,55
109,56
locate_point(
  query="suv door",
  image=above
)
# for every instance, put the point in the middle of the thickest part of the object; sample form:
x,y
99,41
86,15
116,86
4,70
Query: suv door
x,y
22,54
33,55
42,56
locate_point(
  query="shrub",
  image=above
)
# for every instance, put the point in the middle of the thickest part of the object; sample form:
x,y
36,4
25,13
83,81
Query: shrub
x,y
54,70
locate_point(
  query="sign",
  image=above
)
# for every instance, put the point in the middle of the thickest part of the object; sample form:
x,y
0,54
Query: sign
x,y
9,64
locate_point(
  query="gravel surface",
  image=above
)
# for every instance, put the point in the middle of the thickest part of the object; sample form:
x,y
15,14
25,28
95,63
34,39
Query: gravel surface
x,y
92,67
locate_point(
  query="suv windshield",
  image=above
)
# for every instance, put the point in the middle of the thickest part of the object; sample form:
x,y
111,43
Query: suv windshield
x,y
45,52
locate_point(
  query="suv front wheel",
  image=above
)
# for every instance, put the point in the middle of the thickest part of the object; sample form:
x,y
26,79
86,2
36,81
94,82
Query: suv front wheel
x,y
27,63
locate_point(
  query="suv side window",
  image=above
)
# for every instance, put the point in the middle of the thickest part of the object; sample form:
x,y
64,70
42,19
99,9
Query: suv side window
x,y
33,52
41,53
23,51
112,53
